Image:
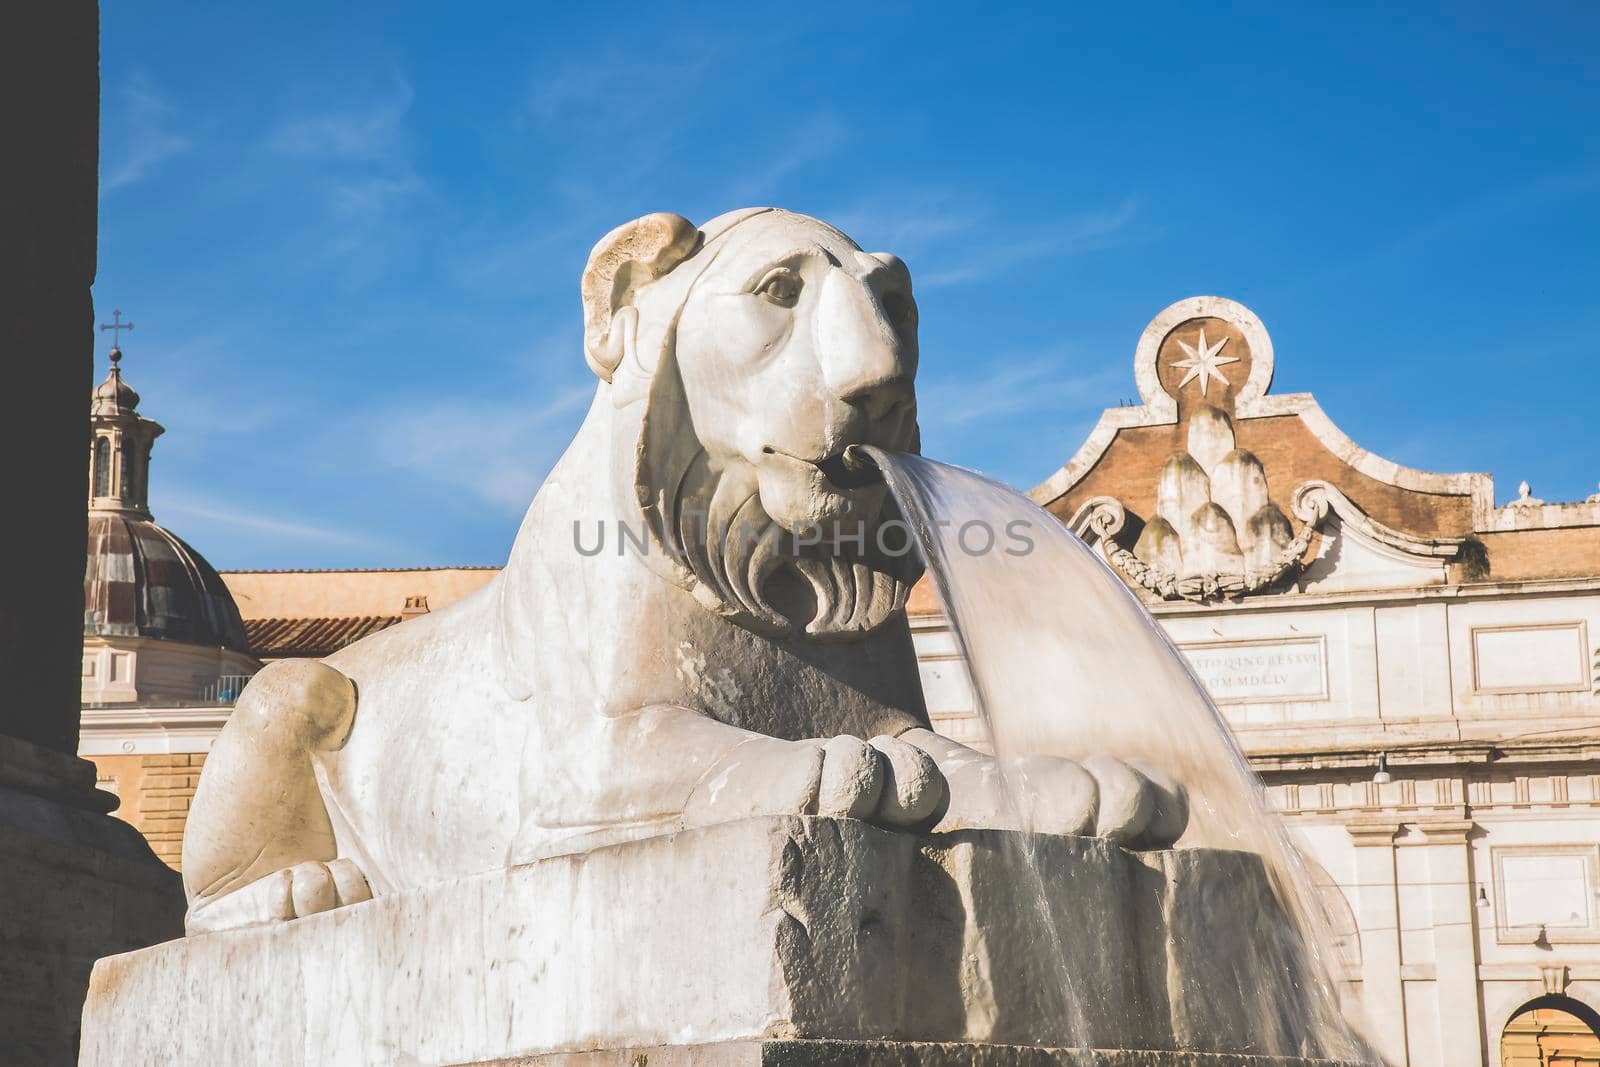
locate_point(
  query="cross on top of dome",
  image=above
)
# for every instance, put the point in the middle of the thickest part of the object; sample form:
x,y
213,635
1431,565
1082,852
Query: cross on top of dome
x,y
116,326
115,396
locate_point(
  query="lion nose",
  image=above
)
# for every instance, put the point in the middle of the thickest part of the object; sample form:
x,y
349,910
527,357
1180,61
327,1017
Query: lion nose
x,y
864,361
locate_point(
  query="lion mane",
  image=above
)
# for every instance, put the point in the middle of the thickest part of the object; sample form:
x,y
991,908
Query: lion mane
x,y
708,532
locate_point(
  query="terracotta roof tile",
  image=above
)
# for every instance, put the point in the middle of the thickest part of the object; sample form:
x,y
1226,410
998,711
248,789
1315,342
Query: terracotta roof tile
x,y
310,637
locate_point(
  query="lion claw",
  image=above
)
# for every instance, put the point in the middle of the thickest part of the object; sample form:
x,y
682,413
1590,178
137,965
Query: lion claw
x,y
294,892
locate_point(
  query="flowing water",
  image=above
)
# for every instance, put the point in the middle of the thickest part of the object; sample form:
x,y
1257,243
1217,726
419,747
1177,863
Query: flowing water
x,y
1065,661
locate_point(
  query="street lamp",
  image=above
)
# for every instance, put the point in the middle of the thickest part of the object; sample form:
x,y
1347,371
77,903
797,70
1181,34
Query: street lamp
x,y
1383,777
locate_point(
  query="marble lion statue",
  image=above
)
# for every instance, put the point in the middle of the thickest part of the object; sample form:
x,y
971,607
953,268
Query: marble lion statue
x,y
709,662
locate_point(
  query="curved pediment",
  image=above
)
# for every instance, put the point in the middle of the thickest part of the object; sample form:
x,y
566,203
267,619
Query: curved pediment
x,y
1211,475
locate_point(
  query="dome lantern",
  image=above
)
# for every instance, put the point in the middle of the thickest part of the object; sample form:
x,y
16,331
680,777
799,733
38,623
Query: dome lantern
x,y
120,441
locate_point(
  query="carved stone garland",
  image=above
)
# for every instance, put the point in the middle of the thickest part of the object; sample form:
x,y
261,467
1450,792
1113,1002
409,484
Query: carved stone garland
x,y
1105,516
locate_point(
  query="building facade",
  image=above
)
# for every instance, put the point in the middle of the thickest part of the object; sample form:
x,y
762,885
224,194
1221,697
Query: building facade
x,y
1413,671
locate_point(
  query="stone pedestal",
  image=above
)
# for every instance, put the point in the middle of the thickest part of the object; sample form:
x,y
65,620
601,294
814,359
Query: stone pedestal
x,y
75,885
777,940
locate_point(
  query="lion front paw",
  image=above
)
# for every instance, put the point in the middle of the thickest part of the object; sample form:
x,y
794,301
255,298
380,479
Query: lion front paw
x,y
1132,804
291,893
883,781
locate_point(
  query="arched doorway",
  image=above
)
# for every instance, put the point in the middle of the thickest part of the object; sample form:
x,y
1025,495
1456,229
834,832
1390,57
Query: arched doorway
x,y
1552,1031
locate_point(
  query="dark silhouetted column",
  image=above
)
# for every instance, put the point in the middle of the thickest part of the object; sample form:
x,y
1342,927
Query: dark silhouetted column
x,y
75,884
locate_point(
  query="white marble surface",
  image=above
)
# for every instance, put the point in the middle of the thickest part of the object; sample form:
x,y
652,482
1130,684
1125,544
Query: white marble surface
x,y
765,928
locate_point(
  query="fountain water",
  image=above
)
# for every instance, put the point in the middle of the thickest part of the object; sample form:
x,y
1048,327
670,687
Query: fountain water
x,y
1064,661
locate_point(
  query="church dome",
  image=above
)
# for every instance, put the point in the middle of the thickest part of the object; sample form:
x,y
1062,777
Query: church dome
x,y
144,581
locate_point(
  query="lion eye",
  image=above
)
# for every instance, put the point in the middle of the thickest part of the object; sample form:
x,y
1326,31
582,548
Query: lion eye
x,y
781,287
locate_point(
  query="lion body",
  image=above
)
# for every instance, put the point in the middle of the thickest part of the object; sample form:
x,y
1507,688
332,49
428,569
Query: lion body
x,y
508,696
716,658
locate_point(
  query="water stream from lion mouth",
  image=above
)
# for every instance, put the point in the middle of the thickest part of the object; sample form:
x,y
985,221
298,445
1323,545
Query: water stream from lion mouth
x,y
1064,660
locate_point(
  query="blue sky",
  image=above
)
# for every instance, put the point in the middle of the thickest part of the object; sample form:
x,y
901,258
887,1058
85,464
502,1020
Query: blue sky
x,y
350,240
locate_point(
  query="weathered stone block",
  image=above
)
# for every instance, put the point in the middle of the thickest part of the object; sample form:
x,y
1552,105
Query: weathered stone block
x,y
793,940
891,1054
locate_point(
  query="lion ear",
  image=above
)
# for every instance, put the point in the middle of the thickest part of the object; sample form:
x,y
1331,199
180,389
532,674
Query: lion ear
x,y
629,257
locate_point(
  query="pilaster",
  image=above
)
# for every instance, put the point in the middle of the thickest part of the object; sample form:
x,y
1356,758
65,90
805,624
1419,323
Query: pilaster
x,y
1455,938
1378,912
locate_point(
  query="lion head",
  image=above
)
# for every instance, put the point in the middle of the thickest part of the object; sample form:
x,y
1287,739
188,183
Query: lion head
x,y
759,348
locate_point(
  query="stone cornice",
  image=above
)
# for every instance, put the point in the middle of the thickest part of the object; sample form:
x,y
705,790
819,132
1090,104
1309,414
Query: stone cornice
x,y
1446,831
1466,592
1373,831
1514,516
1284,602
1423,757
123,729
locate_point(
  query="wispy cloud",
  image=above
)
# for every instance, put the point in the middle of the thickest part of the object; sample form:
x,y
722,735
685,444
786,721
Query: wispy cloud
x,y
609,122
1009,387
1074,236
499,452
184,380
812,140
147,137
363,202
611,87
526,258
950,239
371,133
1478,215
355,161
909,232
250,517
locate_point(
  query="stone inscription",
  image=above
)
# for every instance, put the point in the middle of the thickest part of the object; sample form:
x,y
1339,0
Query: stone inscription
x,y
1242,671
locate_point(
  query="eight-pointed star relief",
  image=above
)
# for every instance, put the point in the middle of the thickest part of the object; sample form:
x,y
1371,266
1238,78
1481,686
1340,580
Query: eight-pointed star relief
x,y
1203,364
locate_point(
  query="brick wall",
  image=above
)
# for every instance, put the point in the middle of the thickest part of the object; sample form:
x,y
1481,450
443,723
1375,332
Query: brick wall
x,y
155,791
169,784
1573,552
1130,470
